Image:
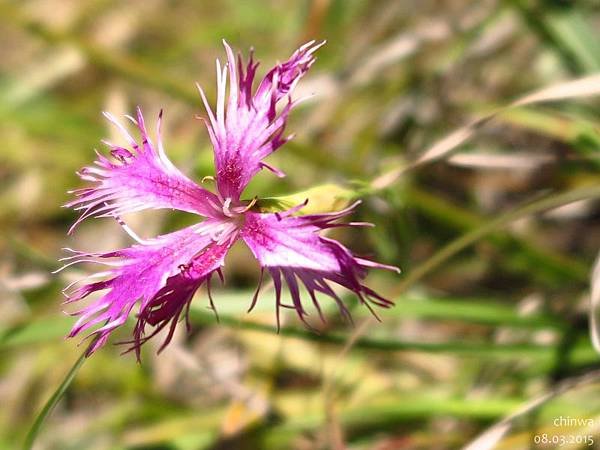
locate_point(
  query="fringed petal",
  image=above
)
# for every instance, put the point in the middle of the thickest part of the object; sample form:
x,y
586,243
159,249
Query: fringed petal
x,y
291,249
247,127
138,178
162,274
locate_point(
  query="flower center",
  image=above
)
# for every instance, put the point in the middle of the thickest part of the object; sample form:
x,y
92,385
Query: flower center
x,y
238,210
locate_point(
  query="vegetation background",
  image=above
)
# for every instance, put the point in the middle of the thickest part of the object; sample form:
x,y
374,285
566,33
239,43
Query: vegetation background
x,y
495,321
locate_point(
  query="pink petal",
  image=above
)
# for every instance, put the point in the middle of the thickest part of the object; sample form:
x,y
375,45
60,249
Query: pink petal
x,y
162,274
291,246
138,178
247,127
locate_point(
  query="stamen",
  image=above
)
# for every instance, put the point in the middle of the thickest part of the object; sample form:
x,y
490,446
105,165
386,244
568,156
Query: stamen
x,y
226,209
250,205
130,232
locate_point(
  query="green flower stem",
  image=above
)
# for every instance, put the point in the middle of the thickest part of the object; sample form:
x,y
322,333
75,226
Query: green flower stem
x,y
51,403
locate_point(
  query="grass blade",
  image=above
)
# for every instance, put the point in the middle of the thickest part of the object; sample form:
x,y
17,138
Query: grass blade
x,y
454,247
581,87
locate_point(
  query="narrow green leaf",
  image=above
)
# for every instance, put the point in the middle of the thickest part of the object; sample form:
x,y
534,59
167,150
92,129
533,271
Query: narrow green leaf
x,y
482,348
39,330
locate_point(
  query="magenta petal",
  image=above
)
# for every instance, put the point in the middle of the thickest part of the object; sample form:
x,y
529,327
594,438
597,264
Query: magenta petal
x,y
139,178
291,246
162,274
247,127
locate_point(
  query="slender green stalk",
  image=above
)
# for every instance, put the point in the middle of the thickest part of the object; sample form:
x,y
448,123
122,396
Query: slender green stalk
x,y
456,246
51,403
543,260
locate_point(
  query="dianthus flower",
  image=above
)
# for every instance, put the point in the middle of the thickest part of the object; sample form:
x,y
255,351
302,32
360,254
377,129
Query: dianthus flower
x,y
163,273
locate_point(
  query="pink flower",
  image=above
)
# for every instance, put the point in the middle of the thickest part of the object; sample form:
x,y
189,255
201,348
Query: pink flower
x,y
163,273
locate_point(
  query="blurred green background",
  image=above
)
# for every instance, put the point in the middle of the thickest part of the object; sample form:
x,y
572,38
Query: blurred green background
x,y
472,338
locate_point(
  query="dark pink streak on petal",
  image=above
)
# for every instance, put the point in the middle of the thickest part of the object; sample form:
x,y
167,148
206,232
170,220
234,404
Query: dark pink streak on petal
x,y
166,306
138,178
291,247
162,274
247,127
